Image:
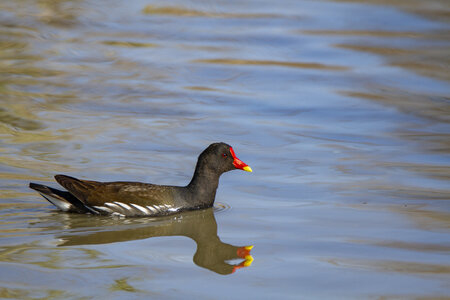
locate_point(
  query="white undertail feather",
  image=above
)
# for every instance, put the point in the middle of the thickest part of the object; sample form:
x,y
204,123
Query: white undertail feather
x,y
61,204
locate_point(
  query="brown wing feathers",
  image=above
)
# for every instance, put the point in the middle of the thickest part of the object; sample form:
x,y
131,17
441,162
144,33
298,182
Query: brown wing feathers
x,y
79,188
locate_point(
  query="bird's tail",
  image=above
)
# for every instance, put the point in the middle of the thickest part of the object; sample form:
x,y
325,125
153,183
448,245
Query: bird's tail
x,y
65,201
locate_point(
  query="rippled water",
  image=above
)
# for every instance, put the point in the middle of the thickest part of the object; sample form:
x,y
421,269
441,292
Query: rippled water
x,y
341,108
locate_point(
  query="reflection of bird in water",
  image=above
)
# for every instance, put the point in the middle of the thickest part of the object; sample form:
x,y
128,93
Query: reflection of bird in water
x,y
200,225
144,199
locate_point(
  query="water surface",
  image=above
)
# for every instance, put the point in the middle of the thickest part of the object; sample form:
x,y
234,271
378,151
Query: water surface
x,y
340,107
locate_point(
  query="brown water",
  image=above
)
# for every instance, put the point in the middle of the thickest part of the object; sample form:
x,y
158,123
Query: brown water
x,y
341,108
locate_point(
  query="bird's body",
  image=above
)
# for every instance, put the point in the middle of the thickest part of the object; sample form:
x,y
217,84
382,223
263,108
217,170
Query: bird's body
x,y
145,199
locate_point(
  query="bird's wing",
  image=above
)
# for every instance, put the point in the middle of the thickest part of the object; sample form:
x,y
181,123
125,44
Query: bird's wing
x,y
79,188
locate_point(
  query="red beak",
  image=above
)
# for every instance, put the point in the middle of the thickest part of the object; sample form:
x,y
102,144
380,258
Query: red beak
x,y
239,164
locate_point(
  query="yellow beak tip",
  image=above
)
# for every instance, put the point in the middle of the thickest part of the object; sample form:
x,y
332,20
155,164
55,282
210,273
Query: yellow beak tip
x,y
247,168
248,260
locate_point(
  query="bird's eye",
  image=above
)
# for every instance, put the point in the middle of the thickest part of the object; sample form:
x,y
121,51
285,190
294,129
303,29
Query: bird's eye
x,y
224,155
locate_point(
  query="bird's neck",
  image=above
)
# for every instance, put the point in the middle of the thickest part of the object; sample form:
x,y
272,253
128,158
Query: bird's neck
x,y
203,186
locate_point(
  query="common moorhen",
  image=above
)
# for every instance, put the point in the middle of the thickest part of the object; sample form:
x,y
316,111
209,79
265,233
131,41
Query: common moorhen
x,y
145,199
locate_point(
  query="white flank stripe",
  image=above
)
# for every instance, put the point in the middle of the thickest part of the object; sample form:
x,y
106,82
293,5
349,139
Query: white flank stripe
x,y
112,205
123,205
143,209
152,209
102,208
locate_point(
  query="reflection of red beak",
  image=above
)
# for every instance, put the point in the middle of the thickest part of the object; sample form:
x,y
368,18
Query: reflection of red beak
x,y
244,252
239,164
